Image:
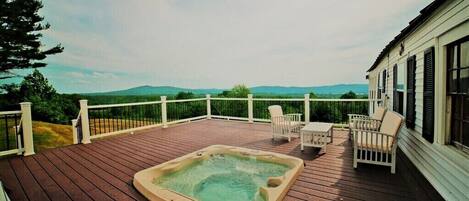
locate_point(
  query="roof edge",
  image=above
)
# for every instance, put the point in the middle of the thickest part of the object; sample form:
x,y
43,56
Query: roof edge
x,y
425,13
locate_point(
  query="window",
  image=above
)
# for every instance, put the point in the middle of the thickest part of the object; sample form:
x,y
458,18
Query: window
x,y
428,94
458,91
400,78
398,89
410,103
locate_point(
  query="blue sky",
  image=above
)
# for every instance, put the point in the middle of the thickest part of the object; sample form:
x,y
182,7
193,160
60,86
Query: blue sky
x,y
117,44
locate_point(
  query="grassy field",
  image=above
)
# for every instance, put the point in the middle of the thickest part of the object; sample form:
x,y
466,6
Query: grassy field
x,y
48,135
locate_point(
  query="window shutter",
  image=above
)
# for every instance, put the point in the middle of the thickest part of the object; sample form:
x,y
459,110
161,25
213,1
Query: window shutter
x,y
395,100
428,94
410,106
384,81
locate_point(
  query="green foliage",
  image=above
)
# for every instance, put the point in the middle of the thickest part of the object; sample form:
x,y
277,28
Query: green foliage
x,y
312,95
325,112
47,104
184,95
225,93
239,91
349,95
36,86
20,27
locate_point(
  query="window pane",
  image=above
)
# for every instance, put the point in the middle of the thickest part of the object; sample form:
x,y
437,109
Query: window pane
x,y
453,81
401,102
380,81
466,110
452,57
464,81
400,77
456,107
455,132
465,54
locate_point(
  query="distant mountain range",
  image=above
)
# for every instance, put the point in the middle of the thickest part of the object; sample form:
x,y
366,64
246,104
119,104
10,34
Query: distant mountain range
x,y
273,90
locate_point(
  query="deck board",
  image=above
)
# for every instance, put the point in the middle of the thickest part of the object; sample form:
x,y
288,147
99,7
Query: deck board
x,y
103,170
10,181
30,186
54,191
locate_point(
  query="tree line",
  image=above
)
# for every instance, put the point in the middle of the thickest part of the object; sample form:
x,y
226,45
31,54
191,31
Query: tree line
x,y
50,106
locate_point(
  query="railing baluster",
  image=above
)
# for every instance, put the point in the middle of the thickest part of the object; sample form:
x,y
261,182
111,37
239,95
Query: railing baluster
x,y
16,130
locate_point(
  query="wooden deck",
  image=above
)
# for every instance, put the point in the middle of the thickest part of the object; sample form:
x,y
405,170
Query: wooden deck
x,y
103,170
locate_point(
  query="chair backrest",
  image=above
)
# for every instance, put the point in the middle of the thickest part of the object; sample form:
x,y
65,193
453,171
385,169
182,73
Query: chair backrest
x,y
379,113
391,123
275,110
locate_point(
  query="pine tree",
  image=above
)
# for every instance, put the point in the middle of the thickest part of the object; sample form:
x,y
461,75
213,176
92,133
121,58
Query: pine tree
x,y
20,27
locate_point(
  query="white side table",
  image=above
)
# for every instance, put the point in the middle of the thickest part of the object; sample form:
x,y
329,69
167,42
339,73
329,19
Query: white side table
x,y
315,134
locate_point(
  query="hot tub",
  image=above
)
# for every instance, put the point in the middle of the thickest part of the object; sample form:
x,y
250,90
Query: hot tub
x,y
220,172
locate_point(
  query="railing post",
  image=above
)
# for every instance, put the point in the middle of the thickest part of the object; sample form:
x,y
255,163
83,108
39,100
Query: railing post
x,y
250,109
209,109
74,131
306,108
27,124
85,124
164,117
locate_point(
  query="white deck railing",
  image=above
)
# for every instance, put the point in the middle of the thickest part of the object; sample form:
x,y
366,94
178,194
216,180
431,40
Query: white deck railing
x,y
16,133
97,121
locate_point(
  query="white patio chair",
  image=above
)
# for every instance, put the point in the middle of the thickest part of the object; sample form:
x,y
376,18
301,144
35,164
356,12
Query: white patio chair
x,y
372,122
287,125
378,147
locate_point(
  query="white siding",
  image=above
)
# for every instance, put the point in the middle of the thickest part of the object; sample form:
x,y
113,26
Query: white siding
x,y
446,168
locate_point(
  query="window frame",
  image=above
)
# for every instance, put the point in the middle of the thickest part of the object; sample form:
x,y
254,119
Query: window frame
x,y
398,94
379,86
455,93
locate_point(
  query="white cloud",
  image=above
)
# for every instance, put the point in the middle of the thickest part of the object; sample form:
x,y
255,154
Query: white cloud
x,y
74,75
100,75
217,43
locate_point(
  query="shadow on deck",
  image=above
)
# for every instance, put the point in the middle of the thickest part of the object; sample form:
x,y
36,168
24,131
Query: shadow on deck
x,y
103,170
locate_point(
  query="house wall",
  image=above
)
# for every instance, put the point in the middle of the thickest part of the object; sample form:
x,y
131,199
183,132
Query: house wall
x,y
444,166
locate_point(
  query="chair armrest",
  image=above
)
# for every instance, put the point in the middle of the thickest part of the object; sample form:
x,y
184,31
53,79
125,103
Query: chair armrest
x,y
373,139
366,124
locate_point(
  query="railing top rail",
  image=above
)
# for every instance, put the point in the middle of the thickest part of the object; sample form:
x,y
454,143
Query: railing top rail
x,y
186,100
9,112
245,99
123,104
79,115
278,99
345,100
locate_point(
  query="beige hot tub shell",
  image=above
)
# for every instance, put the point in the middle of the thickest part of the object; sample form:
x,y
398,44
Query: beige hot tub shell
x,y
276,189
